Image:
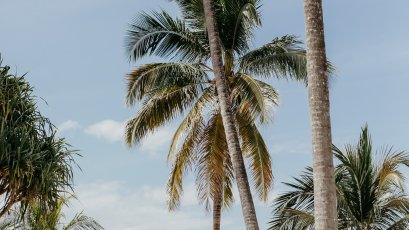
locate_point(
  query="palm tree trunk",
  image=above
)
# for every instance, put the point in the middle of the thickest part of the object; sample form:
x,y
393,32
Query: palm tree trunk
x,y
217,211
233,144
324,183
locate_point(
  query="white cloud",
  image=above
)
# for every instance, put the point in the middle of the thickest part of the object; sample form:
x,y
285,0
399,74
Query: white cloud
x,y
113,131
154,143
68,125
117,207
109,130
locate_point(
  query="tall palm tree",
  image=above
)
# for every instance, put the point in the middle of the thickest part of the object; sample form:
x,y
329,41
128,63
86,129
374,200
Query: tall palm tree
x,y
370,195
35,165
318,97
233,144
186,86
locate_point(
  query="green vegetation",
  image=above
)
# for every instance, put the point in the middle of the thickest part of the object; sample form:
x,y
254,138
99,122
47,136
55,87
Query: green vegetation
x,y
217,86
35,165
185,86
37,219
370,195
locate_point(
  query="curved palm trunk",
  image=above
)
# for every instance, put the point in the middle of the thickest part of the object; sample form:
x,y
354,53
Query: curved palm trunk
x,y
233,144
217,211
324,183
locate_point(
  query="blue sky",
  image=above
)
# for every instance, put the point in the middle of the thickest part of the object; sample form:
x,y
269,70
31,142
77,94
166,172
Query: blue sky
x,y
74,54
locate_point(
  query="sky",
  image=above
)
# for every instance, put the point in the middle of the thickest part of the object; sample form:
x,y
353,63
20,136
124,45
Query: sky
x,y
74,55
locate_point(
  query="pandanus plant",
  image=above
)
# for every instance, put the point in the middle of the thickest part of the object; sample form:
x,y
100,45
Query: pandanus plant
x,y
35,164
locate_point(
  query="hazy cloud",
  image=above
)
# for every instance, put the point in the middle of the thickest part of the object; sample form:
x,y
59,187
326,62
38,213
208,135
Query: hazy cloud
x,y
68,125
154,143
113,131
117,207
109,130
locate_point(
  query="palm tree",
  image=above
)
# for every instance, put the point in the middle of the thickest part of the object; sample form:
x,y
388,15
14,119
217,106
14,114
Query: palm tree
x,y
370,196
318,97
35,165
38,219
233,143
185,86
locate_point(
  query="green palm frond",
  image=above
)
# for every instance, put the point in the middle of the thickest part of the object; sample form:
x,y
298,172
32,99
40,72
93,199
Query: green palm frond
x,y
358,186
281,58
154,76
237,20
161,35
369,196
253,98
293,219
255,149
175,89
83,222
302,195
193,13
163,105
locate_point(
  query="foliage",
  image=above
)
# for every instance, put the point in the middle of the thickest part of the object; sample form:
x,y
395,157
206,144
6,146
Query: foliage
x,y
370,195
184,86
35,165
37,218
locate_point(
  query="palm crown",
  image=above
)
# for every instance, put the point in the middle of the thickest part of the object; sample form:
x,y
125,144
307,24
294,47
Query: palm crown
x,y
185,86
370,196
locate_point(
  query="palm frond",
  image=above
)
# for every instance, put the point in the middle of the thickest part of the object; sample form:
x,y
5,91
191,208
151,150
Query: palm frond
x,y
161,107
253,98
401,224
195,116
183,160
256,151
236,21
83,222
388,174
293,219
145,79
161,35
368,196
358,186
214,169
281,58
193,13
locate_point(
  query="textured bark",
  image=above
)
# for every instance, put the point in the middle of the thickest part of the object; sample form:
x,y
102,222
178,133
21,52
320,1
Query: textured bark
x,y
217,211
233,144
325,210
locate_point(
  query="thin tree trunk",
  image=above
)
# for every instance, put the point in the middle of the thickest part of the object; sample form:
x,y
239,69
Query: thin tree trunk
x,y
233,144
217,211
324,183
